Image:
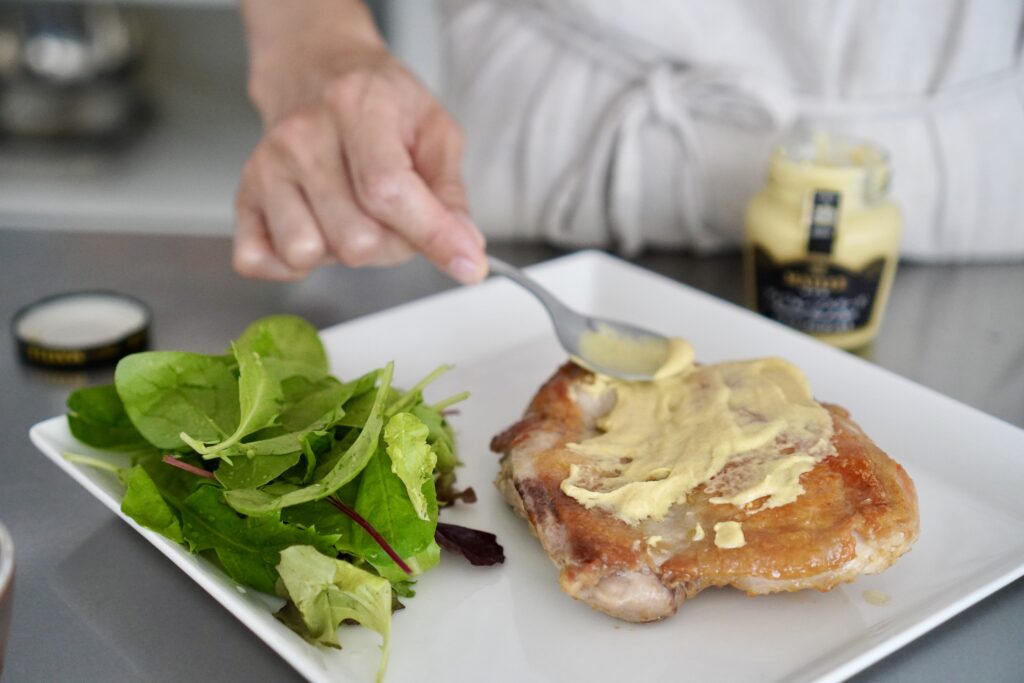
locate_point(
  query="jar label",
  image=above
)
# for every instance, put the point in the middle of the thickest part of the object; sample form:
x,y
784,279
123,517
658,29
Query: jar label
x,y
816,296
824,216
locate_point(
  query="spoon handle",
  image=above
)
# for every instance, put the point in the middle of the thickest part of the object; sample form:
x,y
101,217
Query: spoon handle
x,y
556,309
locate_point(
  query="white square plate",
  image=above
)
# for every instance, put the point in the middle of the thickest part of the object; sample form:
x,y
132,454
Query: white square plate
x,y
512,622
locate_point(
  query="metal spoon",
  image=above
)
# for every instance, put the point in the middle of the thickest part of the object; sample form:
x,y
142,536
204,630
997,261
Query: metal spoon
x,y
607,346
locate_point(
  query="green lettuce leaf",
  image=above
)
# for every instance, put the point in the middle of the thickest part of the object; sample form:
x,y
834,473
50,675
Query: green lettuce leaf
x,y
248,548
322,592
383,501
268,353
247,473
175,485
256,501
306,407
143,502
166,393
96,417
290,344
412,459
259,402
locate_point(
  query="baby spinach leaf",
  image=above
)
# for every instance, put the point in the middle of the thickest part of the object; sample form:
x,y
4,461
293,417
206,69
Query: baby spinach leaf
x,y
166,393
338,449
248,548
362,385
307,407
383,501
290,341
259,402
308,402
358,409
322,592
270,352
319,515
412,459
175,485
250,473
143,503
96,417
255,501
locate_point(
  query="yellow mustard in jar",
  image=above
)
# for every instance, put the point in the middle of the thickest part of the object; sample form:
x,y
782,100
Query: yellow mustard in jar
x,y
822,239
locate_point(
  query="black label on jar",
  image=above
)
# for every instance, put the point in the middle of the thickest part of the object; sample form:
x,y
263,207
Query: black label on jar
x,y
816,296
823,219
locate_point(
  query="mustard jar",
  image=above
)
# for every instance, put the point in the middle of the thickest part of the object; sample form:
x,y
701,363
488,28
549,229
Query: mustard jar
x,y
822,239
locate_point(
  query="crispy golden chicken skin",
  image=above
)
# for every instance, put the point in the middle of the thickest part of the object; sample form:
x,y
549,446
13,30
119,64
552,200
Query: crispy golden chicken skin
x,y
858,514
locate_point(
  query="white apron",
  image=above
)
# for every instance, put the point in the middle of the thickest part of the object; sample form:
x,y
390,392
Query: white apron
x,y
629,124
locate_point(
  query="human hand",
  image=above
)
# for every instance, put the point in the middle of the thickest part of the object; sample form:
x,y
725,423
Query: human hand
x,y
358,163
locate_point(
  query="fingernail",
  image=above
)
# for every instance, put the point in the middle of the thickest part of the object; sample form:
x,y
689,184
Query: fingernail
x,y
465,270
471,226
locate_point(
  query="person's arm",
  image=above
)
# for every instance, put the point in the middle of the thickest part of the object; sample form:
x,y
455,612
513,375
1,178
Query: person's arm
x,y
358,162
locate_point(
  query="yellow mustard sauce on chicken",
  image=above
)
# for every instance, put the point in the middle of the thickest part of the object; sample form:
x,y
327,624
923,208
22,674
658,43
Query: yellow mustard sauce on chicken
x,y
744,430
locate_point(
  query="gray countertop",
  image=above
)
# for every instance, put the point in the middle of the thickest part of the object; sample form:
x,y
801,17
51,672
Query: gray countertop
x,y
94,602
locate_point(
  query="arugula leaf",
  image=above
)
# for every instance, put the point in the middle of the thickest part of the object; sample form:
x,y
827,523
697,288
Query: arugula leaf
x,y
412,459
323,592
415,394
143,503
256,501
248,548
166,393
96,417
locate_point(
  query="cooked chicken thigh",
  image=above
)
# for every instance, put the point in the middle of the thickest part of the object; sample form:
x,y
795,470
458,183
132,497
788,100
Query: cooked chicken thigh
x,y
857,514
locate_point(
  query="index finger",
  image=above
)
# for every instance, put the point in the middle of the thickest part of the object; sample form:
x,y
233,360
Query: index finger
x,y
389,189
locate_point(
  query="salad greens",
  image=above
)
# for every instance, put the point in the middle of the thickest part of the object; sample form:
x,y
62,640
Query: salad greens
x,y
294,482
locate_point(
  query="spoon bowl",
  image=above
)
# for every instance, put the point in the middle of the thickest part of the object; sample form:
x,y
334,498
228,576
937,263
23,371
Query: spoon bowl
x,y
610,347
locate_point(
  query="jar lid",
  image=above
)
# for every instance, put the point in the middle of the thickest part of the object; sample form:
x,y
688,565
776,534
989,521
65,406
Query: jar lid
x,y
82,329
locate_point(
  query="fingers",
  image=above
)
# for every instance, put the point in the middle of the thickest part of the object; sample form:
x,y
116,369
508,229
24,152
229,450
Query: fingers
x,y
367,176
254,255
274,222
389,189
296,210
351,236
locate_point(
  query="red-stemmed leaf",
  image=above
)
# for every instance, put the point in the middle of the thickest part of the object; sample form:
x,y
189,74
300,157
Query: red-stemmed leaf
x,y
182,465
368,528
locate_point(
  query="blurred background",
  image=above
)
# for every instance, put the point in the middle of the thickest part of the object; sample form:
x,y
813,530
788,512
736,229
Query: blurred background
x,y
133,116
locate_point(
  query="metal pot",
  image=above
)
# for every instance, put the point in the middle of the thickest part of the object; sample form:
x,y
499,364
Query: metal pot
x,y
65,70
